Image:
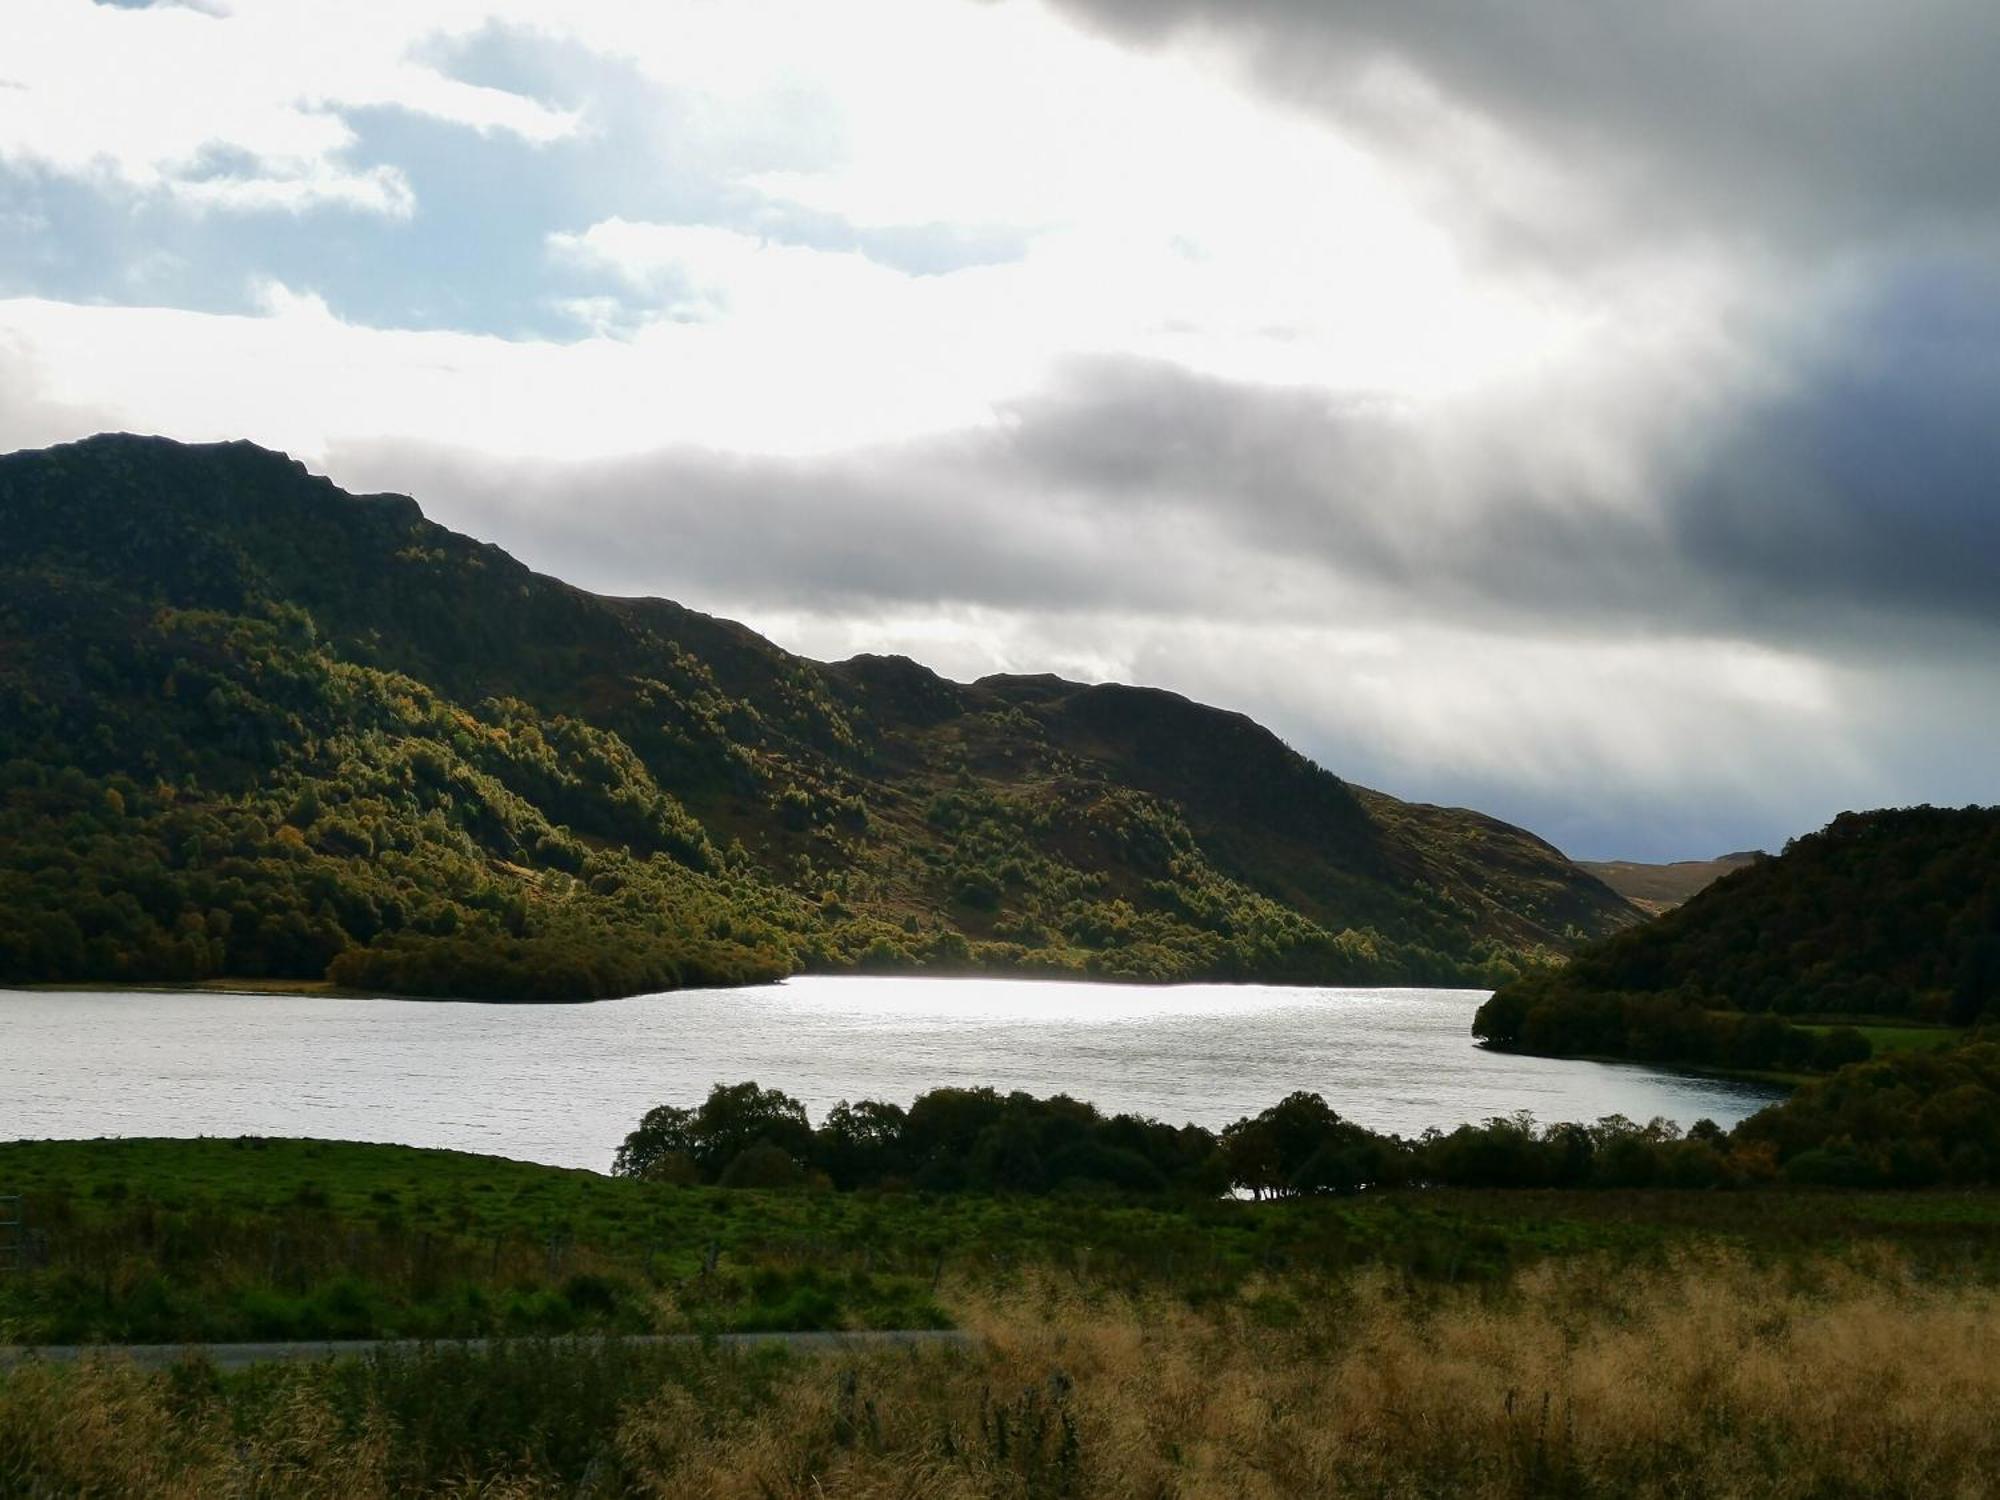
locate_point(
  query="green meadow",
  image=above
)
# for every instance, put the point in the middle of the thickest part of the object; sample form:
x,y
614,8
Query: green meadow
x,y
168,1240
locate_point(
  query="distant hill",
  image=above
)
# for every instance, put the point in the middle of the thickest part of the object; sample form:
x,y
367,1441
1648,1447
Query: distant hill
x,y
252,725
1657,888
1888,917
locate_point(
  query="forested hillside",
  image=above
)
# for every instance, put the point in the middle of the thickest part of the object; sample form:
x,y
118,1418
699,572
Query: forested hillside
x,y
1880,916
251,725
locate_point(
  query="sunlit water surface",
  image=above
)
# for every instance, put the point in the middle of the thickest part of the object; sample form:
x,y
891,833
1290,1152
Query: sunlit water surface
x,y
563,1083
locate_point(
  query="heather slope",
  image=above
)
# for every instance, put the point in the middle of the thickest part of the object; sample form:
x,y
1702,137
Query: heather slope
x,y
1655,888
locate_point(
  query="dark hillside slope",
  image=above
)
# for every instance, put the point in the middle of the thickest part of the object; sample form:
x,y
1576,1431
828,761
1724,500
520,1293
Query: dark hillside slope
x,y
253,725
1890,916
1507,877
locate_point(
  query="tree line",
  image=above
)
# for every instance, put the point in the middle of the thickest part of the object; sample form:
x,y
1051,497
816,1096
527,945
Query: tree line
x,y
1909,1120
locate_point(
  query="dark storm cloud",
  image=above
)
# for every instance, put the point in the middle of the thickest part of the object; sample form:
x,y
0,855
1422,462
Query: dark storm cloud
x,y
1879,485
1814,119
1863,498
1851,509
923,523
1126,486
1855,507
1353,488
1569,663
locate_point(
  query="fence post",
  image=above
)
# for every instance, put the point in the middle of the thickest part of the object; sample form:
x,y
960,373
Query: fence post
x,y
13,1233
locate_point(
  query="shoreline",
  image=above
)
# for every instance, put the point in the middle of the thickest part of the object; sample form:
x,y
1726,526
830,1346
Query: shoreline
x,y
327,989
229,986
1787,1082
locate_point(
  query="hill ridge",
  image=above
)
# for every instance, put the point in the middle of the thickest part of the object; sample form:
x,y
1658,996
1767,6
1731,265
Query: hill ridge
x,y
566,771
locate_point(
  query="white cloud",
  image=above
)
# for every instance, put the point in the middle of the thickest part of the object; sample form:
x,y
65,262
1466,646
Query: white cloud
x,y
703,274
243,110
1165,214
297,377
1375,417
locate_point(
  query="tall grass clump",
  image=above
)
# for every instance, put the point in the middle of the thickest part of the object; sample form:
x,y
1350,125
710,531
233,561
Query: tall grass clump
x,y
1704,1374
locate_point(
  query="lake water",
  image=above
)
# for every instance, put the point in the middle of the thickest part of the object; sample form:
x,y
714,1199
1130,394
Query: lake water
x,y
564,1083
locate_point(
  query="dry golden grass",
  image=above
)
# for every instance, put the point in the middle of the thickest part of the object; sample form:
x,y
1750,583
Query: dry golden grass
x,y
1707,1377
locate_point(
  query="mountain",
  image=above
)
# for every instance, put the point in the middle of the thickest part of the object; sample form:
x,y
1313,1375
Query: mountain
x,y
1889,916
253,725
1657,888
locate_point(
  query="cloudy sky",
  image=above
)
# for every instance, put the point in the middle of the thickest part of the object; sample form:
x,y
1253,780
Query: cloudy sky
x,y
1589,413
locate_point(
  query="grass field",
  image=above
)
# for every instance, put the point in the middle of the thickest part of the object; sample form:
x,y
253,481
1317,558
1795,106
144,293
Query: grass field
x,y
1884,1034
1416,1343
1708,1373
148,1240
1896,1038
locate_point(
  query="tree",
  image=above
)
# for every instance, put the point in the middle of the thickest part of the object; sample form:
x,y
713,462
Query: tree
x,y
1299,1145
735,1117
863,1143
1250,1153
664,1132
1976,990
762,1166
729,1122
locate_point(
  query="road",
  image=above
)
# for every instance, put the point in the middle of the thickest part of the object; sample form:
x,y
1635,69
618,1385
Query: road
x,y
237,1356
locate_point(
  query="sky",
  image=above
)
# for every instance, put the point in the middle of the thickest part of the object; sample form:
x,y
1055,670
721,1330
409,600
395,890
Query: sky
x,y
1587,413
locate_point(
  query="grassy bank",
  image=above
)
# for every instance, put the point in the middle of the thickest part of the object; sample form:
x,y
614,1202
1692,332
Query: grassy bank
x,y
1708,1373
145,1241
1776,1078
1883,1034
1495,1343
1889,1036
